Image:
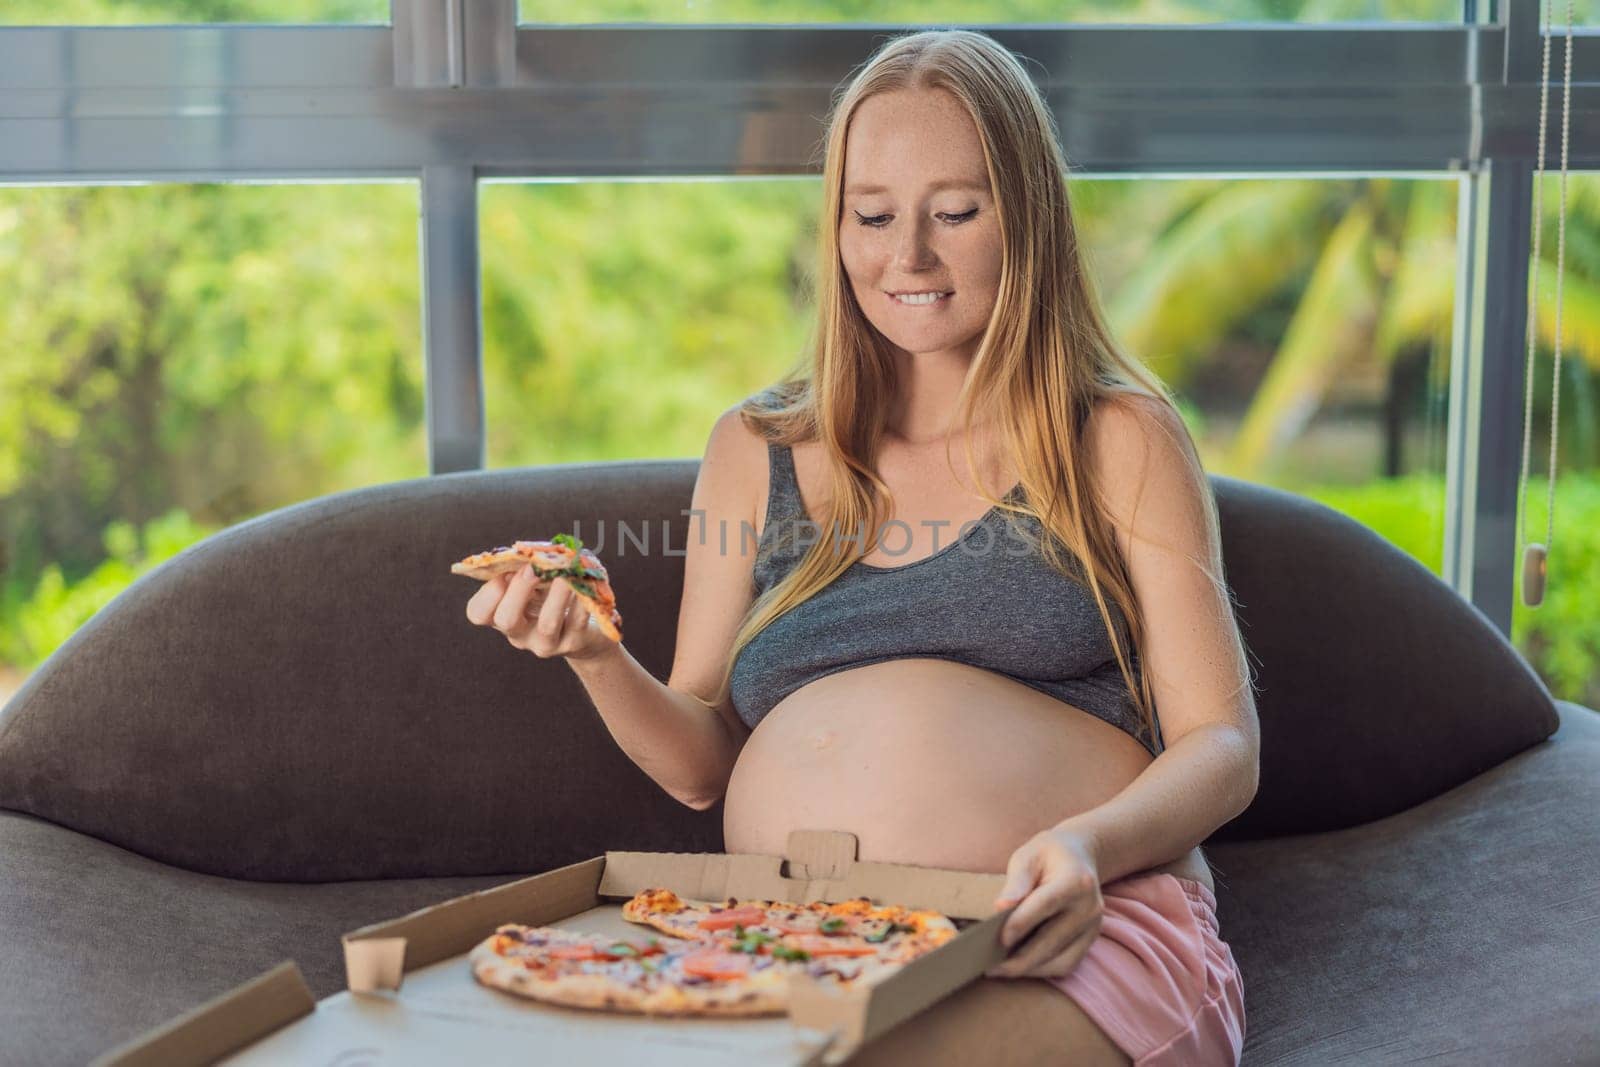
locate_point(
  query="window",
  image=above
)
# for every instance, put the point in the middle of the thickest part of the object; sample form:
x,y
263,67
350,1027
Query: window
x,y
179,358
1561,637
988,12
1305,324
620,318
178,12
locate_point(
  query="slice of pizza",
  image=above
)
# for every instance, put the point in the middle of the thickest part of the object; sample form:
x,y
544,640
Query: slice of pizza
x,y
848,929
654,977
563,556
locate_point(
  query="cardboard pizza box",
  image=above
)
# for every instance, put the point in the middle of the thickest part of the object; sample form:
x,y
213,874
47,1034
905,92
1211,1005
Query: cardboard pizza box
x,y
411,996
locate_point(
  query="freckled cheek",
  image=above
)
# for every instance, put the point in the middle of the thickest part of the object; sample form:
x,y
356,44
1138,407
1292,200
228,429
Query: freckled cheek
x,y
859,261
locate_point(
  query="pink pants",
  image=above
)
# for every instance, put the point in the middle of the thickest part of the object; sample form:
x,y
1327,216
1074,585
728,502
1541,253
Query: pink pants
x,y
1158,979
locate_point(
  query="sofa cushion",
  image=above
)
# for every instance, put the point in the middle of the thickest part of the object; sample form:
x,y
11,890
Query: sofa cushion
x,y
1463,931
301,697
101,944
1378,686
1444,933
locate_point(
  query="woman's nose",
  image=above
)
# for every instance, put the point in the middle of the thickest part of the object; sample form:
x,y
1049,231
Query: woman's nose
x,y
914,249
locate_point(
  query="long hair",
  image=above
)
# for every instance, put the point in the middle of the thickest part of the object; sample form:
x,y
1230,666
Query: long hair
x,y
1046,357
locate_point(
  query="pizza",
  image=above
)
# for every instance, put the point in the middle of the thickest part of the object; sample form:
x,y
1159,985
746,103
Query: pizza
x,y
732,958
653,976
563,556
851,928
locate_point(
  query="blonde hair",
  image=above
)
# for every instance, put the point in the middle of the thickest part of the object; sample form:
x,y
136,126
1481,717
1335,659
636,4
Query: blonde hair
x,y
1045,359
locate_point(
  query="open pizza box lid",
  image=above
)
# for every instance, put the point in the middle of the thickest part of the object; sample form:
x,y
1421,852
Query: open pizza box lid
x,y
412,998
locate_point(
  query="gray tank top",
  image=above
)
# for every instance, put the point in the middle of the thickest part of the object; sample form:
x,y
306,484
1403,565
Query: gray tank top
x,y
954,605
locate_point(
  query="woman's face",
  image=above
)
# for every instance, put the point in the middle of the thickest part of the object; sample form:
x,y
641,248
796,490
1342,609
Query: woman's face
x,y
914,169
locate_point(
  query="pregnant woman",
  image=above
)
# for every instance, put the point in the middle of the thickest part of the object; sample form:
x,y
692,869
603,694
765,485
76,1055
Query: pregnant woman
x,y
1046,683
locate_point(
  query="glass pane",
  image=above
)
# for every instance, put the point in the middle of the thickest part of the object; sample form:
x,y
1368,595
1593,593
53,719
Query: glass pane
x,y
176,12
990,11
591,289
1561,636
1305,324
179,358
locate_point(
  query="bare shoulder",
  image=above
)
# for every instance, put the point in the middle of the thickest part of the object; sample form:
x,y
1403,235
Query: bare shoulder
x,y
1127,430
719,556
1129,435
733,472
1146,471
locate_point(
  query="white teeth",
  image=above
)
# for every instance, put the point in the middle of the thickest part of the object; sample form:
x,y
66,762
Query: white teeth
x,y
925,298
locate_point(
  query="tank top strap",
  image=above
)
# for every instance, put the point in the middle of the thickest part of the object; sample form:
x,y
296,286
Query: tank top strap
x,y
783,488
777,550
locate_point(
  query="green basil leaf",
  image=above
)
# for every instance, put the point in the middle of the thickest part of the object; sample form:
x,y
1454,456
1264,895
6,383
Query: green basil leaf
x,y
831,925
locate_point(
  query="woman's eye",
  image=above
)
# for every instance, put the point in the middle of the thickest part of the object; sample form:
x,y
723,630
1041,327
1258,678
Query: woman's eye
x,y
877,222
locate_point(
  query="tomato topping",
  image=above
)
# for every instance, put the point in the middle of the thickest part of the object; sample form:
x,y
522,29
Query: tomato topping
x,y
716,963
575,952
615,950
822,945
743,915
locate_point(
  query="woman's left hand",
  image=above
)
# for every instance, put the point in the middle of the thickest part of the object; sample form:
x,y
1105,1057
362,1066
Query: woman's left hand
x,y
1054,877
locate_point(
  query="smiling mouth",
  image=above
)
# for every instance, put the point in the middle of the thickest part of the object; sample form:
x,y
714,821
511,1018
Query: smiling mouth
x,y
923,300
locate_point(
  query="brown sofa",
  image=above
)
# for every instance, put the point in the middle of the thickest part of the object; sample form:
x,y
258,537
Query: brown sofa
x,y
290,730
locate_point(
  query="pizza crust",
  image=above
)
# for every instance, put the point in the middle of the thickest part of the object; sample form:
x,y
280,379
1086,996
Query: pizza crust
x,y
484,571
537,962
631,989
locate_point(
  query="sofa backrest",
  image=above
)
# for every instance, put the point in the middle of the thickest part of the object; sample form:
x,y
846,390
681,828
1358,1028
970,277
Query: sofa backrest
x,y
301,697
1379,687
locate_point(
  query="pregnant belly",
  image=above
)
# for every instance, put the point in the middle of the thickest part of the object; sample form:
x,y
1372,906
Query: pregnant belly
x,y
928,762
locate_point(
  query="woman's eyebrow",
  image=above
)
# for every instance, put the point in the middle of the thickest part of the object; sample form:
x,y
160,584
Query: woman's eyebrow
x,y
948,183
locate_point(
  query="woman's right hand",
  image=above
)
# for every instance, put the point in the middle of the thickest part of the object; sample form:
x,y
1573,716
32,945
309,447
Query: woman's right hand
x,y
538,615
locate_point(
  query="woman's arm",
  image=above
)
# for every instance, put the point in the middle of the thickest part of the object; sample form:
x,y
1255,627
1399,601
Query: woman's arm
x,y
683,742
1195,661
687,747
1159,502
671,731
1199,782
675,736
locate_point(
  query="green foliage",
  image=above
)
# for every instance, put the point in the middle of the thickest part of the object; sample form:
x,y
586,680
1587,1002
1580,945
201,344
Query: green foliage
x,y
621,318
159,12
33,627
987,11
221,349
